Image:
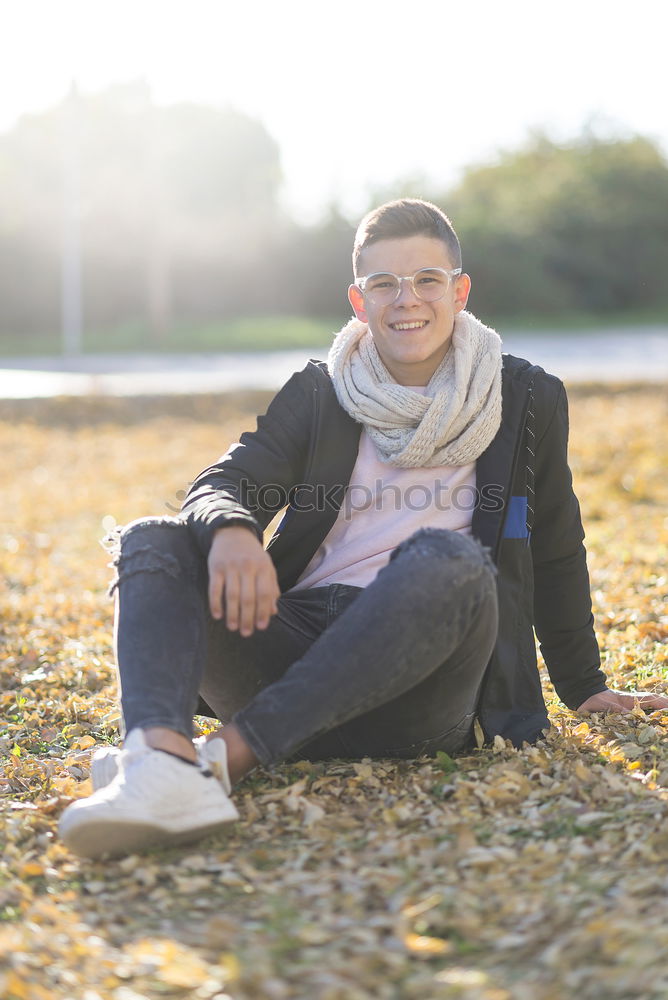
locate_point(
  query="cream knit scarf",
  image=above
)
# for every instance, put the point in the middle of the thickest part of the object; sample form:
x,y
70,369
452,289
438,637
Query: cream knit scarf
x,y
451,425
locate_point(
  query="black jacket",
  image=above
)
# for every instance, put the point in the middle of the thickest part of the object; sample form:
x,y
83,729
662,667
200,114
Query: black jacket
x,y
302,454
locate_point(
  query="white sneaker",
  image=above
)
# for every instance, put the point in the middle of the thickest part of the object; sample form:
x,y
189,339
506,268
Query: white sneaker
x,y
212,754
154,799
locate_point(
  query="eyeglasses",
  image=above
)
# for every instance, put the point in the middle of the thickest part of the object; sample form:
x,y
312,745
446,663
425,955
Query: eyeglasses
x,y
429,284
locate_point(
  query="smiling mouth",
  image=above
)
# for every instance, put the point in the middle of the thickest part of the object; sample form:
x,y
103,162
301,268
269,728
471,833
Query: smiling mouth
x,y
413,325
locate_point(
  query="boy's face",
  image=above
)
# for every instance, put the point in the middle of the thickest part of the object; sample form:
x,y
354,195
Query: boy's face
x,y
412,353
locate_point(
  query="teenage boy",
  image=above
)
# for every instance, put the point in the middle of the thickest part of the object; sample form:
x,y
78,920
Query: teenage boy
x,y
430,527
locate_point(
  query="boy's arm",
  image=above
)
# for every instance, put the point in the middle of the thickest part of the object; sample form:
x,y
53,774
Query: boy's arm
x,y
231,502
252,481
562,600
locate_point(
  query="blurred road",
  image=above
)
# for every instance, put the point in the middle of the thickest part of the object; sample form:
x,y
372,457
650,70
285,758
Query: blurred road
x,y
147,374
615,355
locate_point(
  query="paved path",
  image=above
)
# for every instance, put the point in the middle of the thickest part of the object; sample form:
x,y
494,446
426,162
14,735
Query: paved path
x,y
618,355
143,374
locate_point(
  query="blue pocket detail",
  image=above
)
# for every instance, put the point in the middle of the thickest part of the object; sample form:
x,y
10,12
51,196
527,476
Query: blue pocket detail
x,y
516,519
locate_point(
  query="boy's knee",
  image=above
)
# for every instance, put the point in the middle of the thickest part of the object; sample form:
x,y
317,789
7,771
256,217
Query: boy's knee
x,y
440,545
438,561
152,545
164,532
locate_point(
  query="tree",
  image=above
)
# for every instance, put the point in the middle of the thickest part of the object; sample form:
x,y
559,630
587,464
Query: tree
x,y
552,228
175,202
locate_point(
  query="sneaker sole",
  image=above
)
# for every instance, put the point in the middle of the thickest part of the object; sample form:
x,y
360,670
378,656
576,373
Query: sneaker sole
x,y
106,838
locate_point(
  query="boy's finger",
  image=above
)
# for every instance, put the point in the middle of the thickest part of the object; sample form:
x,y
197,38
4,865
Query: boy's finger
x,y
232,602
247,604
216,584
266,601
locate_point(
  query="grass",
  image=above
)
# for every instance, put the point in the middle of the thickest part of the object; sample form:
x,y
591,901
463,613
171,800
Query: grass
x,y
573,322
268,333
536,874
261,333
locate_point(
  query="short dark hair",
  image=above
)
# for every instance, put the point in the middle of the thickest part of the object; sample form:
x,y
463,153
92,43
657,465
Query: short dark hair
x,y
405,217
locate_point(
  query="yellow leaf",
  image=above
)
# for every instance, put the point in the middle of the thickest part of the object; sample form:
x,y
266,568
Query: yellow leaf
x,y
185,971
84,742
313,813
363,770
230,966
417,909
176,964
16,987
418,944
31,869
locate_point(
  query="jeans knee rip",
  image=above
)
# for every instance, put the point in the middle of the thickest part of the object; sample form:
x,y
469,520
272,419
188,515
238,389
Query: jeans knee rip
x,y
439,542
146,559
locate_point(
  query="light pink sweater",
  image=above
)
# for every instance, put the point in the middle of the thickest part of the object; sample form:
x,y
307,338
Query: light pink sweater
x,y
383,506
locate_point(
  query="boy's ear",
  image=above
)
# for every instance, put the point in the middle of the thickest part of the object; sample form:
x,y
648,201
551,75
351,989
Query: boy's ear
x,y
462,292
356,300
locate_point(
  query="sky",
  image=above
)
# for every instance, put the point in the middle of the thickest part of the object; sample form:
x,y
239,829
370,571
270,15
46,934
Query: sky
x,y
359,92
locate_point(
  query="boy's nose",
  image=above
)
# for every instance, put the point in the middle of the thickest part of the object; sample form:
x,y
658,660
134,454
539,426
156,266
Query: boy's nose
x,y
406,292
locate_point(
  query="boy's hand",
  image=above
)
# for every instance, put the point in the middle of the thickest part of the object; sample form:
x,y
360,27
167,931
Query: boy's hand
x,y
623,701
242,579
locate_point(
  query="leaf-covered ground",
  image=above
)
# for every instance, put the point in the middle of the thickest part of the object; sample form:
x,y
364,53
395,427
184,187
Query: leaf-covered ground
x,y
538,874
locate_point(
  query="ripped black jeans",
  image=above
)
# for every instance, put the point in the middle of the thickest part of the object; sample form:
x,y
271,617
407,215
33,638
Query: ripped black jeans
x,y
390,670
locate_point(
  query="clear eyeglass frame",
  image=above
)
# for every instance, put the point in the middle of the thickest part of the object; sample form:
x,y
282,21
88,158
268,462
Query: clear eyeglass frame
x,y
384,296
